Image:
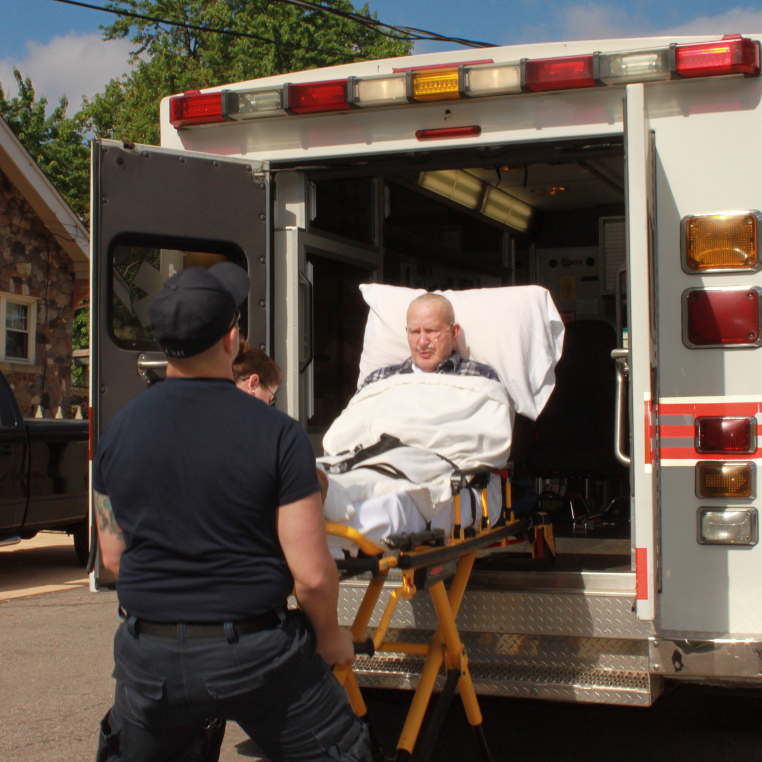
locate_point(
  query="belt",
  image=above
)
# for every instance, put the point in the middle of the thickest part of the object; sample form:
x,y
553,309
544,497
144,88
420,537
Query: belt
x,y
266,621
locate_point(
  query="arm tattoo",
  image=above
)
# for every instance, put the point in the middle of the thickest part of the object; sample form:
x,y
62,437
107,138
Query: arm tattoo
x,y
106,520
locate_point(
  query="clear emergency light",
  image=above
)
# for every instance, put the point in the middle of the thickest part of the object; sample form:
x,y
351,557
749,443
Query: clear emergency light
x,y
731,55
716,478
727,526
726,435
725,242
721,317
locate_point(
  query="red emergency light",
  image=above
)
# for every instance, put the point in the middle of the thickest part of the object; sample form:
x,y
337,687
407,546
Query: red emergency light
x,y
315,97
565,73
731,55
731,435
195,107
721,317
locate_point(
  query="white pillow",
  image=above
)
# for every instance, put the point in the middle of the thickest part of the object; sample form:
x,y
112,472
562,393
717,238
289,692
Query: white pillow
x,y
516,330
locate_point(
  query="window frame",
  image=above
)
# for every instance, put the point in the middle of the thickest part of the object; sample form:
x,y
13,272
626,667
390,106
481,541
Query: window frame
x,y
7,297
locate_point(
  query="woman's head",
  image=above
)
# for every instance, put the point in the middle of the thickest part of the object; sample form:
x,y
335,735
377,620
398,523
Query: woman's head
x,y
256,373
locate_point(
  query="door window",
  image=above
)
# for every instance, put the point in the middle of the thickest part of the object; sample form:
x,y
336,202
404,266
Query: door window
x,y
138,272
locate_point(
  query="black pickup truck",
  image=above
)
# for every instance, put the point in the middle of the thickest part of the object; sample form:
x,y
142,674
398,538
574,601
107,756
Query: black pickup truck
x,y
43,475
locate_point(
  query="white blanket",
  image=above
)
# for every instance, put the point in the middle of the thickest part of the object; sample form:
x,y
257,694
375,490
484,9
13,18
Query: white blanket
x,y
442,420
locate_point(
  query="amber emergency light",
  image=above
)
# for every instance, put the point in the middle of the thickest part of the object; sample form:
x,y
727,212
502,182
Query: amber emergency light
x,y
724,479
726,242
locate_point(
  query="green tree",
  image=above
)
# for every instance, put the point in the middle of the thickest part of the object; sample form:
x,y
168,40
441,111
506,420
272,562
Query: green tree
x,y
54,140
169,59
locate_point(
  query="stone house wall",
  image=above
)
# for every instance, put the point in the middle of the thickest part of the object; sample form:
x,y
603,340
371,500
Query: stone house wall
x,y
33,264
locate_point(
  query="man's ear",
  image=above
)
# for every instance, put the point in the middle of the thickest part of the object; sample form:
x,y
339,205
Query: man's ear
x,y
231,342
455,332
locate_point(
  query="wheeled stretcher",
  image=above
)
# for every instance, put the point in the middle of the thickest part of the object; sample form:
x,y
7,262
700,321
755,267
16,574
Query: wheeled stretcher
x,y
441,565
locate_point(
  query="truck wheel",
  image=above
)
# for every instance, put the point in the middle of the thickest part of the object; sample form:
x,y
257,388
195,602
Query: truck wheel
x,y
81,534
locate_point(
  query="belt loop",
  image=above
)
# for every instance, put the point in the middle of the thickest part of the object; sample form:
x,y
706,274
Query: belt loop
x,y
133,627
230,632
181,634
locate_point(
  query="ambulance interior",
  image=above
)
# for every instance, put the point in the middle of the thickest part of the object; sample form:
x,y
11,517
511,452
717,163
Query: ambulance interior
x,y
551,214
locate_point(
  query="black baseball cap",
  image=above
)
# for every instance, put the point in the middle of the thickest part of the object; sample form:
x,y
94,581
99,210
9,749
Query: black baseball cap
x,y
197,307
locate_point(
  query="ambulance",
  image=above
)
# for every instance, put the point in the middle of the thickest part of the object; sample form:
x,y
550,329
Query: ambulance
x,y
621,175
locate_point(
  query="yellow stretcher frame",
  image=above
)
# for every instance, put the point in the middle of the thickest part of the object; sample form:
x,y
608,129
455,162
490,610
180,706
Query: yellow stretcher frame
x,y
446,645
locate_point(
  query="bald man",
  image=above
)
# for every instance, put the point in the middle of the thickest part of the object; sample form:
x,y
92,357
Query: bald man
x,y
431,336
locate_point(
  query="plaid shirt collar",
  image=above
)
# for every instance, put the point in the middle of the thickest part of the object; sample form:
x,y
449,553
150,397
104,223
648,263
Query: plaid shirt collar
x,y
450,365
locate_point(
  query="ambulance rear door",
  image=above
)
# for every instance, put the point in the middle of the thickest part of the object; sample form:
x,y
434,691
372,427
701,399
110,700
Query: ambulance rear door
x,y
154,212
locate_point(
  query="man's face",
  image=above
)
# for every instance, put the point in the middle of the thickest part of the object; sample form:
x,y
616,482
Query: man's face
x,y
430,336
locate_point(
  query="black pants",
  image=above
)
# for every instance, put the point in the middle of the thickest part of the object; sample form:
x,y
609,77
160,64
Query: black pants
x,y
272,683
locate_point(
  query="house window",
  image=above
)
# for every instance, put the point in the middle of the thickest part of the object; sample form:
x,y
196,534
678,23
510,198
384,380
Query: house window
x,y
18,321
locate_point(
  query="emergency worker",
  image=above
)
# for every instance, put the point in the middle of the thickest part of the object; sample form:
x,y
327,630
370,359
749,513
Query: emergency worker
x,y
209,513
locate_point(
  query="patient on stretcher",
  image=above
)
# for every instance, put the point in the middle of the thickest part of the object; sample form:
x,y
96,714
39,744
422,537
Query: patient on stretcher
x,y
390,454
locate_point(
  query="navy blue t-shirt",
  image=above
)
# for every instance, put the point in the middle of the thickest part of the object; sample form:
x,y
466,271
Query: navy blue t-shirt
x,y
195,470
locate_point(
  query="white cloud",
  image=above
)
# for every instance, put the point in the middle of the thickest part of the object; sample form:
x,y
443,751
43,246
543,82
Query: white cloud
x,y
599,21
75,65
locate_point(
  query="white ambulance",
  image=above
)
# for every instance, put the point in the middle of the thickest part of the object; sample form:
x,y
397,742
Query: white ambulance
x,y
623,176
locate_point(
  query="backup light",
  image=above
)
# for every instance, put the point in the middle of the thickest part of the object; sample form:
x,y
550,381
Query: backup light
x,y
731,55
635,66
378,91
721,317
726,435
724,479
195,107
721,242
564,73
436,85
254,104
317,97
727,526
492,80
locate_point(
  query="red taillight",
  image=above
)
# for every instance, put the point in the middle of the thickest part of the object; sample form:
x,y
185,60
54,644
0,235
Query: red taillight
x,y
733,435
731,55
314,97
721,317
443,133
195,107
559,73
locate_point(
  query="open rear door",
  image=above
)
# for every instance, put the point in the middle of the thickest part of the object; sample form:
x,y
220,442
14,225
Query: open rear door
x,y
641,355
154,212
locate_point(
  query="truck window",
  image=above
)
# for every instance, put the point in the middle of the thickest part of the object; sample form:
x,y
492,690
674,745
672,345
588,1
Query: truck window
x,y
138,271
344,207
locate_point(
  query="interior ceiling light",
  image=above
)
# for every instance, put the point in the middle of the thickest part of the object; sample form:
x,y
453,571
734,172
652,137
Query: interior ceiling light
x,y
549,190
471,192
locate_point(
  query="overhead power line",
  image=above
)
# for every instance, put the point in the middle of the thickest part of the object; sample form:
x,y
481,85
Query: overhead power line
x,y
405,33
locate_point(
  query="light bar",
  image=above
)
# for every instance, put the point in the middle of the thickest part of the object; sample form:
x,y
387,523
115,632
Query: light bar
x,y
378,91
716,478
727,526
318,97
195,107
436,85
731,55
568,72
492,80
721,317
253,104
726,435
726,242
638,66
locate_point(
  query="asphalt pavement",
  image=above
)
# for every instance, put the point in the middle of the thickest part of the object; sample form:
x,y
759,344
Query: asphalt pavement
x,y
55,685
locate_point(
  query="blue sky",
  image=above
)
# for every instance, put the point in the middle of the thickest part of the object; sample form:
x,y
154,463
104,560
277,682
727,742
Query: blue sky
x,y
59,46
